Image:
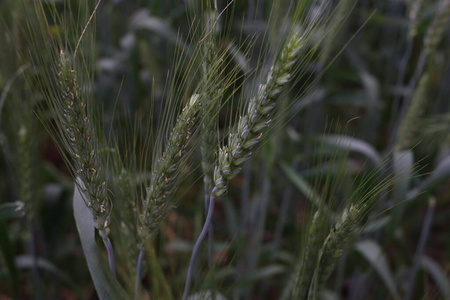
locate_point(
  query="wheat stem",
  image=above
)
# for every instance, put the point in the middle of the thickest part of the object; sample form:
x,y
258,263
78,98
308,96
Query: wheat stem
x,y
138,274
196,249
110,251
426,227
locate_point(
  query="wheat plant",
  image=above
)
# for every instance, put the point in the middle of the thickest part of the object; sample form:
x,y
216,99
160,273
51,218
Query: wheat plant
x,y
156,120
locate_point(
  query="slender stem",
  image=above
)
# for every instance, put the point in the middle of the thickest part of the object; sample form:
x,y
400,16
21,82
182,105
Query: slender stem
x,y
210,228
197,247
34,255
282,217
420,247
110,250
210,244
258,224
138,274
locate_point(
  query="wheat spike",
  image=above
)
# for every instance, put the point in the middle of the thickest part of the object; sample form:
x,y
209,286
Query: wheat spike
x,y
80,142
165,170
250,127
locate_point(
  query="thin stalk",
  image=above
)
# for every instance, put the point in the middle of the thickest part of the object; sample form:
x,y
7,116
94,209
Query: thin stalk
x,y
420,247
110,250
6,149
210,235
197,247
34,269
245,202
242,265
259,222
138,274
282,217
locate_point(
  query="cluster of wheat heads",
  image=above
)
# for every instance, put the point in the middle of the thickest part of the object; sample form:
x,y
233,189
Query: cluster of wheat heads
x,y
108,174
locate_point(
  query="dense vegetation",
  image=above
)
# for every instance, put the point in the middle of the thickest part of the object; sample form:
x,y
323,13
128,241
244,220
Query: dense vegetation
x,y
224,149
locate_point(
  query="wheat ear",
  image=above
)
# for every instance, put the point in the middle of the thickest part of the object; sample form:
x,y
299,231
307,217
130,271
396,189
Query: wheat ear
x,y
346,229
409,128
309,258
165,170
247,134
300,282
25,170
158,200
435,31
250,127
80,141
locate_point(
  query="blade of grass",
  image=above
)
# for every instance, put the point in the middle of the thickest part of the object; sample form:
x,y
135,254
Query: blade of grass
x,y
105,283
373,253
438,274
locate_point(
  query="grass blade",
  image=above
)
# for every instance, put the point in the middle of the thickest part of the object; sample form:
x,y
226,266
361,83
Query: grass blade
x,y
105,283
11,210
373,253
438,274
28,262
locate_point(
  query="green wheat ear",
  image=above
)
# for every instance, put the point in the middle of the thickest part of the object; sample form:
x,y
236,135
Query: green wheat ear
x,y
80,141
304,275
250,127
346,229
165,171
409,128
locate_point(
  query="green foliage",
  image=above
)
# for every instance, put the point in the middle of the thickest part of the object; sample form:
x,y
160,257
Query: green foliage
x,y
168,117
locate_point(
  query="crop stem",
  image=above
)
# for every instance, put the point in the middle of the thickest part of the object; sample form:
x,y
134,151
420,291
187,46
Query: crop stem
x,y
197,245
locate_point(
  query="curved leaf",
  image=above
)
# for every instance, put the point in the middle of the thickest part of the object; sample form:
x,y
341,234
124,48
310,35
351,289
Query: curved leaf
x,y
27,261
440,174
301,184
105,283
354,145
11,210
373,253
143,20
437,273
207,295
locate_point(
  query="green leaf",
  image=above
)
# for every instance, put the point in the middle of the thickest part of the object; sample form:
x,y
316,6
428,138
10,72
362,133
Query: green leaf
x,y
105,283
376,224
11,210
27,262
373,253
268,272
301,184
347,143
6,249
437,273
207,295
143,20
403,163
440,174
